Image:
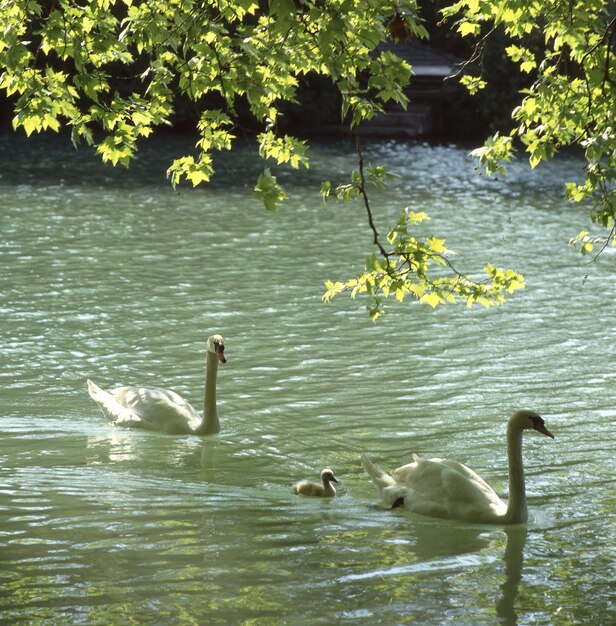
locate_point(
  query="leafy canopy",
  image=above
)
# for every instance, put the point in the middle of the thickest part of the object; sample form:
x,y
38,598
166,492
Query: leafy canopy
x,y
120,66
568,48
112,71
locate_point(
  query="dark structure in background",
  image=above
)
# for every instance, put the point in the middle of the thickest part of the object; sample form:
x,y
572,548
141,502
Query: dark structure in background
x,y
318,112
423,116
318,109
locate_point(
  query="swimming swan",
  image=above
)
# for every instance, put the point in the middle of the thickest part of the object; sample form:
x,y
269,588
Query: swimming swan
x,y
306,488
441,488
162,409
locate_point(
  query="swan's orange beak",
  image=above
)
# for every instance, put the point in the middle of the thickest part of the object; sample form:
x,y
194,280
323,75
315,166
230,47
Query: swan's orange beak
x,y
542,429
220,353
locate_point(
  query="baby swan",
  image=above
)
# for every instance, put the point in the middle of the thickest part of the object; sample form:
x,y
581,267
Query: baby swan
x,y
327,490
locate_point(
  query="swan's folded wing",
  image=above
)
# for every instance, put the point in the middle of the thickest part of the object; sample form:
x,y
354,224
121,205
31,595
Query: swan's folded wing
x,y
468,486
449,489
400,473
160,409
472,481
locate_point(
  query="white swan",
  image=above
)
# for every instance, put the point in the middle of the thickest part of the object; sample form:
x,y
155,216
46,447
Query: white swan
x,y
307,488
164,410
441,488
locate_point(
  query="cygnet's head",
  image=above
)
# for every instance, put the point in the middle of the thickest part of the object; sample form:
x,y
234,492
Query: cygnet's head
x,y
216,345
525,419
327,476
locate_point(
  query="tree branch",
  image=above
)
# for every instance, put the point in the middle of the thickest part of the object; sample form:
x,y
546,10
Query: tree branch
x,y
364,195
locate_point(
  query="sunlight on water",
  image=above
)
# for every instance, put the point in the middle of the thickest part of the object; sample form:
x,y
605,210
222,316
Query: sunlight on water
x,y
112,275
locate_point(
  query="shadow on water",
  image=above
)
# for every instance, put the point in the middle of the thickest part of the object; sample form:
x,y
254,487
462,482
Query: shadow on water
x,y
434,541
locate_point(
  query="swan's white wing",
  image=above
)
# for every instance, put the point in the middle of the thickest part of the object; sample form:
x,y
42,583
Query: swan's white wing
x,y
442,488
159,409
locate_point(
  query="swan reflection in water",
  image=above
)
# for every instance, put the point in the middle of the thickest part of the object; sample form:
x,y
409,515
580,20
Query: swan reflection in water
x,y
514,562
445,541
436,545
114,447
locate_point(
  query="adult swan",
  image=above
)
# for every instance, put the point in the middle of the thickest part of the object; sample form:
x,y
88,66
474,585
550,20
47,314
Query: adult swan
x,y
164,410
441,488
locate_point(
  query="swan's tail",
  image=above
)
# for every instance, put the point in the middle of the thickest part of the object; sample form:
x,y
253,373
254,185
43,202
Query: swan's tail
x,y
394,493
107,403
96,393
381,479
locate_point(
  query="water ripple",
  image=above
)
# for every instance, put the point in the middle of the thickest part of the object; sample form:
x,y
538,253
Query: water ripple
x,y
113,275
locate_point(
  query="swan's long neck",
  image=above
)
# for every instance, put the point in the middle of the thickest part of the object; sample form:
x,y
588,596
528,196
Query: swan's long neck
x,y
517,512
210,424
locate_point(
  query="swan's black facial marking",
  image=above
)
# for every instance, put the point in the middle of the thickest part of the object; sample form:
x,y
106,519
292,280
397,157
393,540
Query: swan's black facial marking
x,y
219,349
539,426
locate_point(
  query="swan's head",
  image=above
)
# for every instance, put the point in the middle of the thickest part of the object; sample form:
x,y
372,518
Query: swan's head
x,y
327,476
529,419
216,345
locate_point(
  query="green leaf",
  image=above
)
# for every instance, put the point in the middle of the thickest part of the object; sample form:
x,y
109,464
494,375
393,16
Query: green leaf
x,y
468,28
432,299
268,190
283,149
528,66
473,83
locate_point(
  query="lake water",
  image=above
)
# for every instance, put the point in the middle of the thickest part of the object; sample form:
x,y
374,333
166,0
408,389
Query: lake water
x,y
113,275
